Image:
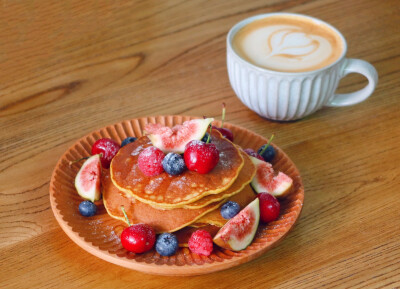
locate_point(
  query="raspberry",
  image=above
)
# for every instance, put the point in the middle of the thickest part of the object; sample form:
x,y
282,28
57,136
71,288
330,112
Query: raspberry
x,y
201,243
150,161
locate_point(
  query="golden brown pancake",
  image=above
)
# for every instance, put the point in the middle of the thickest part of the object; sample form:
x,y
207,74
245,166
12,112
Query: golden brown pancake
x,y
138,212
245,176
166,191
243,198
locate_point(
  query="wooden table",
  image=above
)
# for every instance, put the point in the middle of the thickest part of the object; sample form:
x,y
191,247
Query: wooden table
x,y
71,67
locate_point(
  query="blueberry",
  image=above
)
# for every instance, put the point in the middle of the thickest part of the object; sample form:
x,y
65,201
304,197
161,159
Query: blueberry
x,y
205,137
128,140
166,244
173,164
87,209
229,210
269,154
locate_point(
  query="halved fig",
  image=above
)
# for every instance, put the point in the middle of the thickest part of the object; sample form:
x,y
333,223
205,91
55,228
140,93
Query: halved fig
x,y
88,179
175,139
265,180
239,232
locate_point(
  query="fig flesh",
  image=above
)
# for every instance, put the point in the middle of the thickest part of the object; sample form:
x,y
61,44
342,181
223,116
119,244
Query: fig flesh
x,y
265,180
175,139
88,179
239,232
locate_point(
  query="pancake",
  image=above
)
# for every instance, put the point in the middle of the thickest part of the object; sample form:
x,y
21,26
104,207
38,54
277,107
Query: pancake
x,y
166,191
245,176
243,198
138,212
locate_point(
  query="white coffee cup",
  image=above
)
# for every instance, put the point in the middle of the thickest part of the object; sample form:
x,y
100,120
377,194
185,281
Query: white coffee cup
x,y
280,95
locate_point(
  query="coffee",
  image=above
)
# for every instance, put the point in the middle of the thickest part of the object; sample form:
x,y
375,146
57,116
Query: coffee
x,y
288,43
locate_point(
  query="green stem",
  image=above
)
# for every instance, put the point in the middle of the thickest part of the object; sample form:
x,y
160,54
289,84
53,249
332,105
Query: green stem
x,y
209,135
223,114
75,161
267,145
126,217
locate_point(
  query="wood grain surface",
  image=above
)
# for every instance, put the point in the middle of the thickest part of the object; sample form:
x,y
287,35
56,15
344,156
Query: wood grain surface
x,y
70,67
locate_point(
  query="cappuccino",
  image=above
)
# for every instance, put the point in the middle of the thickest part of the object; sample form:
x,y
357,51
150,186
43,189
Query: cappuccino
x,y
288,43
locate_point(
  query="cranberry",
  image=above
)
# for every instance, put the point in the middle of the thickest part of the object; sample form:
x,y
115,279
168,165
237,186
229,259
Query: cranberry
x,y
201,157
108,148
138,238
269,207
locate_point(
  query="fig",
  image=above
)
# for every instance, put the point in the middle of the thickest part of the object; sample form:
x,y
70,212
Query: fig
x,y
265,180
88,179
239,231
175,139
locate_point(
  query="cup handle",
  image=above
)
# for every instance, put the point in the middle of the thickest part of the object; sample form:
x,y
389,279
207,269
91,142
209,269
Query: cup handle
x,y
356,66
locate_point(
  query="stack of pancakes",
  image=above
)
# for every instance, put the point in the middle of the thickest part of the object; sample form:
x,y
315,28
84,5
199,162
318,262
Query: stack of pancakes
x,y
169,203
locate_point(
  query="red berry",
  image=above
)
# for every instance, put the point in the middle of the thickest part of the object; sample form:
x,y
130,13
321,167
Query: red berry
x,y
201,243
150,161
269,207
253,153
108,148
227,133
138,238
201,157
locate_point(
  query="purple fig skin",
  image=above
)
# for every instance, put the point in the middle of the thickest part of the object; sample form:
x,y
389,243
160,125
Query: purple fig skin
x,y
227,133
253,153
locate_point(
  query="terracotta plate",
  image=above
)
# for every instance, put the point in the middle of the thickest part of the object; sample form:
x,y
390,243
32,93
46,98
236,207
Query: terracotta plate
x,y
99,235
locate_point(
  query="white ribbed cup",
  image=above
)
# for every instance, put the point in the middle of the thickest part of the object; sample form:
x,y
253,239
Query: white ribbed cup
x,y
290,96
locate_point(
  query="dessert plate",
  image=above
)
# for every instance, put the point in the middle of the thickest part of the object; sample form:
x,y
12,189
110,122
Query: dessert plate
x,y
99,235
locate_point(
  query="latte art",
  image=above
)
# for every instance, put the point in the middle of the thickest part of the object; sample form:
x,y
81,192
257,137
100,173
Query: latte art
x,y
291,43
285,43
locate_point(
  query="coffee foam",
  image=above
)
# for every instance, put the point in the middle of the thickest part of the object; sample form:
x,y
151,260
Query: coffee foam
x,y
288,44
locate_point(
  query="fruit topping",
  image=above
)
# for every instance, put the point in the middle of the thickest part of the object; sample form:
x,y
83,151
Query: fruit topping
x,y
87,181
227,133
87,209
137,238
173,164
269,207
239,231
253,153
175,139
128,140
267,151
200,242
108,148
150,161
201,157
206,138
265,180
229,210
167,244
